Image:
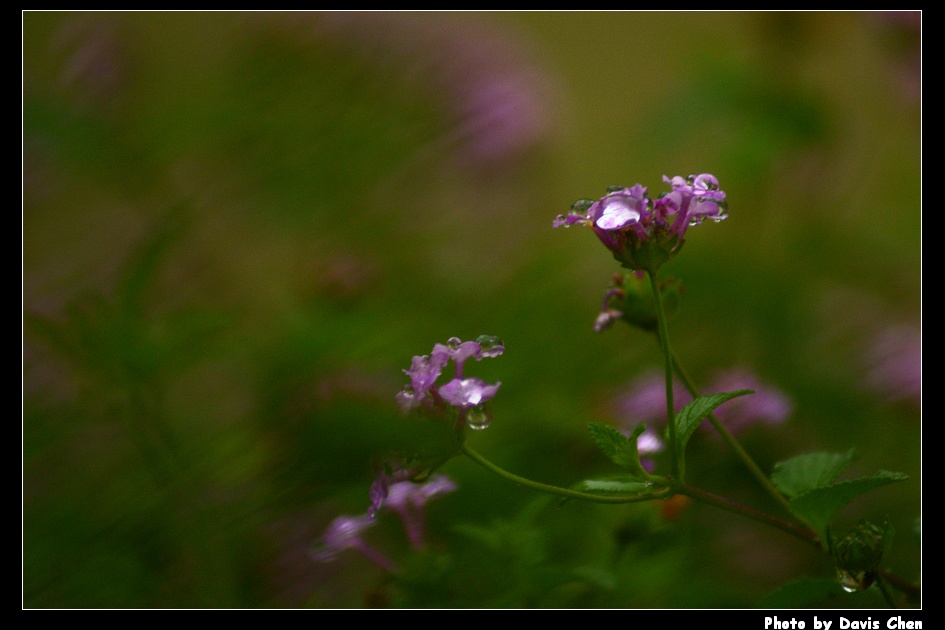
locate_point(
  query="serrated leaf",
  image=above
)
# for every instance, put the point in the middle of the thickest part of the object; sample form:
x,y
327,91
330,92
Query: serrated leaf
x,y
615,484
818,506
615,445
689,417
804,473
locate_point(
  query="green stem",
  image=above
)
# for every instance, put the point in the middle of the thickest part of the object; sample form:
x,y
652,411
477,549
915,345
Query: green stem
x,y
884,589
678,465
549,489
673,487
733,443
806,534
911,589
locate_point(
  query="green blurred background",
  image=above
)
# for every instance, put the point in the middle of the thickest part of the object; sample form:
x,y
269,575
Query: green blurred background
x,y
238,228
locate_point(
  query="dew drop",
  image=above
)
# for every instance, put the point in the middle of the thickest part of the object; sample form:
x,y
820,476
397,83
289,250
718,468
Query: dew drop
x,y
454,342
851,582
614,188
581,206
478,417
407,399
490,346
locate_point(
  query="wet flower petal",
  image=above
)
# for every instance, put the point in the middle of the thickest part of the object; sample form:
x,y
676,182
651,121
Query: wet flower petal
x,y
403,494
424,371
407,499
343,533
637,230
468,392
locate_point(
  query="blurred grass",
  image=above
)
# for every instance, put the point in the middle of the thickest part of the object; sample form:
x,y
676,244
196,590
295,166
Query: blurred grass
x,y
238,228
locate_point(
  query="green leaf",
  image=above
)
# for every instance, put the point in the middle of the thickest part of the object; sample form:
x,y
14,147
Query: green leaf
x,y
615,484
689,417
804,473
615,445
818,506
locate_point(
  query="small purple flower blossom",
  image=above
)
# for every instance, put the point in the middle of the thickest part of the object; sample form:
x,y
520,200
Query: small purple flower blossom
x,y
382,484
407,499
345,533
641,233
648,443
392,491
425,370
608,314
693,200
468,392
468,395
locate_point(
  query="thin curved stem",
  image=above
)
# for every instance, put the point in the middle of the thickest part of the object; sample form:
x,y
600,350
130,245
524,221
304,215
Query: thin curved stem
x,y
733,443
806,534
672,487
549,489
912,589
884,589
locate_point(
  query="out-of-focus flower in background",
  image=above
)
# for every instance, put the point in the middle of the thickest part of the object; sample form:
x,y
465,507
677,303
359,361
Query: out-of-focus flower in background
x,y
893,361
95,64
498,101
346,532
767,405
407,499
645,400
904,31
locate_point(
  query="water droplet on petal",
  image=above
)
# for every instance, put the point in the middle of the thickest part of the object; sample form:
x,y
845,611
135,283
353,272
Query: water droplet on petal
x,y
479,417
581,206
848,581
614,188
453,342
407,399
491,346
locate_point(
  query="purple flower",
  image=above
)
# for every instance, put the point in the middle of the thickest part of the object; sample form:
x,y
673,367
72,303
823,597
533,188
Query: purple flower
x,y
894,364
497,98
693,200
407,499
645,401
345,533
641,233
383,482
766,405
468,395
608,314
648,442
468,392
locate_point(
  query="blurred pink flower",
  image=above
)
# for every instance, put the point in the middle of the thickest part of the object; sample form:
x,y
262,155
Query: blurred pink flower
x,y
894,364
645,400
497,100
